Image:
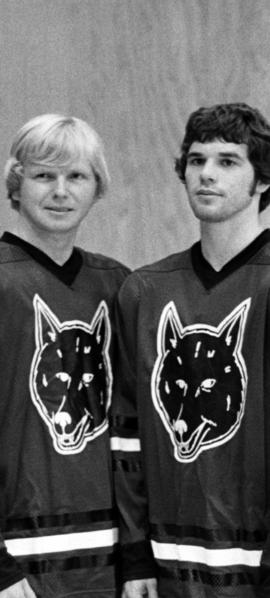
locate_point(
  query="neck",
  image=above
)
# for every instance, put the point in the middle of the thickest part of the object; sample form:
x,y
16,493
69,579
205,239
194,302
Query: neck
x,y
221,241
57,246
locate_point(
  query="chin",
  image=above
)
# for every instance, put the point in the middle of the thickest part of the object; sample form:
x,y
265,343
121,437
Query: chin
x,y
211,213
209,216
213,218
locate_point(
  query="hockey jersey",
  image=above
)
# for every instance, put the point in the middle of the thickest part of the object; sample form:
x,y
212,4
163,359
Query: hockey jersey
x,y
192,424
58,521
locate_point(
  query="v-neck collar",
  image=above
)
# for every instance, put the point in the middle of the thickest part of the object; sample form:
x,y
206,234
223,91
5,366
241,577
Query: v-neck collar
x,y
66,273
209,276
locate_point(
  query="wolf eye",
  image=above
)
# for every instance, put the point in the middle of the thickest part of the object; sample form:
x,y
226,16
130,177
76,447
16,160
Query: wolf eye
x,y
207,384
87,378
183,385
63,376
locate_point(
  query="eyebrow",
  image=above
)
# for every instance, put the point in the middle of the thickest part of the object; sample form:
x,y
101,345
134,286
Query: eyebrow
x,y
225,154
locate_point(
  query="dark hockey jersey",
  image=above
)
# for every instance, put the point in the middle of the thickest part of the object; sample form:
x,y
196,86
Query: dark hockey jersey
x,y
57,510
192,424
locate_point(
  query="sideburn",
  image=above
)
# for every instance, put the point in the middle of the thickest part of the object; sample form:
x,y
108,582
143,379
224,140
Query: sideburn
x,y
253,186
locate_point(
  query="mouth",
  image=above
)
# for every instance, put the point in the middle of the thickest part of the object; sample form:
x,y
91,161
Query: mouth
x,y
190,448
207,192
59,210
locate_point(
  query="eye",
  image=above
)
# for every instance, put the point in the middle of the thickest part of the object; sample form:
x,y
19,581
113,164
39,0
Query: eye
x,y
227,162
43,176
196,161
183,385
76,175
208,384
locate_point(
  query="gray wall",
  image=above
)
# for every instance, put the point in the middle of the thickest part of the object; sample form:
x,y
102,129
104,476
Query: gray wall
x,y
135,69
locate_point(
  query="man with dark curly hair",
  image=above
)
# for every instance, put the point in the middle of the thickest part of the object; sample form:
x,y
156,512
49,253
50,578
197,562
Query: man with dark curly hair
x,y
192,421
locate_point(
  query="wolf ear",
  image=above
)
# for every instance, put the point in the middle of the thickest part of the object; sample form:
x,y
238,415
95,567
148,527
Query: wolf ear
x,y
99,330
47,325
232,332
171,327
99,325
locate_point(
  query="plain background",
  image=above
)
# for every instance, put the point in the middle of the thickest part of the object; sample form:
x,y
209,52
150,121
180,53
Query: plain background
x,y
134,69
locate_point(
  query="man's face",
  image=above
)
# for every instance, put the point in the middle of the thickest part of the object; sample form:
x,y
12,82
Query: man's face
x,y
220,180
56,198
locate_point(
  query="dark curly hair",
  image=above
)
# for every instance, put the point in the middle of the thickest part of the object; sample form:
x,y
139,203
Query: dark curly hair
x,y
234,123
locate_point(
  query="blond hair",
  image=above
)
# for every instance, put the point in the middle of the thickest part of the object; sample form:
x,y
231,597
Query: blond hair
x,y
56,140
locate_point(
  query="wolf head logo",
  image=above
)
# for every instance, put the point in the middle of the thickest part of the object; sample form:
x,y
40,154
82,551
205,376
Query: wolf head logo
x,y
70,378
199,381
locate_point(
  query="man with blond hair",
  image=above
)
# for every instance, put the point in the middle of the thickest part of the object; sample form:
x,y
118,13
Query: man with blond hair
x,y
58,525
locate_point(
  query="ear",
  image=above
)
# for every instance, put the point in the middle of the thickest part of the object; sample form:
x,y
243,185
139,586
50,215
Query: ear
x,y
261,187
16,196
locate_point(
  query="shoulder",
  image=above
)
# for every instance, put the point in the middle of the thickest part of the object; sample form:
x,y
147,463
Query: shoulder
x,y
102,262
262,257
153,275
176,261
11,253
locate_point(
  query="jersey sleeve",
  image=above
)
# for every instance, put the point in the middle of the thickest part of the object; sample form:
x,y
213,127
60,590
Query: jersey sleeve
x,y
10,571
264,586
136,554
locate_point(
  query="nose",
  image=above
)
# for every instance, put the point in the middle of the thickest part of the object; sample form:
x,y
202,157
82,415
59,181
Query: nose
x,y
60,187
208,172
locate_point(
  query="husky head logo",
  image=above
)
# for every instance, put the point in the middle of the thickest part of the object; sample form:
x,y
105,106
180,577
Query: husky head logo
x,y
199,381
70,379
